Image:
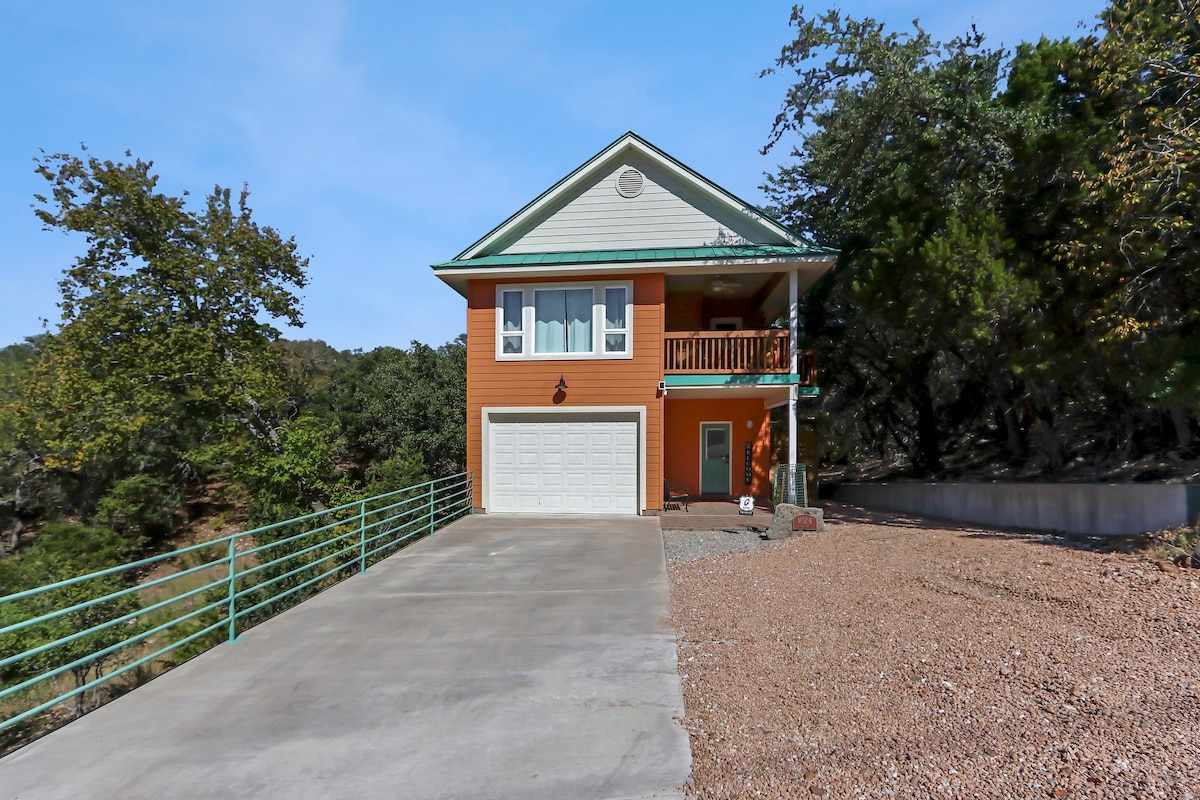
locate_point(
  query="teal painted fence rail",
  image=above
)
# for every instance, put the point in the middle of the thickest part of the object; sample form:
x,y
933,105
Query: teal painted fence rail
x,y
135,620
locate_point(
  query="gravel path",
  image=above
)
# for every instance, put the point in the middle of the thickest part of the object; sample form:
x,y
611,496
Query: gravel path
x,y
684,546
908,660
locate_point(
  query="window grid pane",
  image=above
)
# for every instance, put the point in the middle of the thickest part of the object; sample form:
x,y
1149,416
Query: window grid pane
x,y
614,308
512,302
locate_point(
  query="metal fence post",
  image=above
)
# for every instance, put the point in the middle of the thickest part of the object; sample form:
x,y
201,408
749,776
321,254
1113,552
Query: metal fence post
x,y
431,506
470,493
362,536
232,589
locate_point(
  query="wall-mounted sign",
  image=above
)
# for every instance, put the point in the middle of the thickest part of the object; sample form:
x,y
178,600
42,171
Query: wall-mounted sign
x,y
749,463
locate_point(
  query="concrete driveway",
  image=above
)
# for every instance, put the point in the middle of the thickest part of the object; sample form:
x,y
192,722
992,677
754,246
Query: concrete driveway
x,y
504,657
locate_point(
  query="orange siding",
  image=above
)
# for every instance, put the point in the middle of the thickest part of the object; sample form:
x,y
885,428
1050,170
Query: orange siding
x,y
600,382
682,436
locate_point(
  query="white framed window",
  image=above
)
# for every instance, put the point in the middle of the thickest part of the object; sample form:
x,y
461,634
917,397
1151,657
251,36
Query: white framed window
x,y
616,319
512,323
563,321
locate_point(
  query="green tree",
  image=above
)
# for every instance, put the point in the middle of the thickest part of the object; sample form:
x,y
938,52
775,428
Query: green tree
x,y
300,475
25,488
409,401
62,551
901,163
140,508
166,335
1050,382
1145,257
313,370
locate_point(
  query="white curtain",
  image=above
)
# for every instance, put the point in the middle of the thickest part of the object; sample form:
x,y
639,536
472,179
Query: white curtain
x,y
562,321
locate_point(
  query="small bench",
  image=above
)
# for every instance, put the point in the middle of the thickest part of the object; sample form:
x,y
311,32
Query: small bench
x,y
675,496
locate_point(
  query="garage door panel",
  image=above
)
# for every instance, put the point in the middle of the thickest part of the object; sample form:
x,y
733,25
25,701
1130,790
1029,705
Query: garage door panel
x,y
564,465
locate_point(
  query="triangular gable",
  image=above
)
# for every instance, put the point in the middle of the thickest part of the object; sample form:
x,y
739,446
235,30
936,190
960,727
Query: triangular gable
x,y
604,206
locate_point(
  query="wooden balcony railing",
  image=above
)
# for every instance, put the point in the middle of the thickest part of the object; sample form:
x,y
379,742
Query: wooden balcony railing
x,y
735,352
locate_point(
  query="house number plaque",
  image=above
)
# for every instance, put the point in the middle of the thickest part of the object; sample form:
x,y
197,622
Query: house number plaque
x,y
749,463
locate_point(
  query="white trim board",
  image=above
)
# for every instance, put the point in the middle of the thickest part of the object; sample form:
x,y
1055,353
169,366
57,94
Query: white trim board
x,y
636,412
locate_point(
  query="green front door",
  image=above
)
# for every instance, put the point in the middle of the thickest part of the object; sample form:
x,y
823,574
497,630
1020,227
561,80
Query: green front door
x,y
714,457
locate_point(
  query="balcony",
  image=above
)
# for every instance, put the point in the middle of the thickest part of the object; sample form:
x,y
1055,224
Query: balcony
x,y
735,353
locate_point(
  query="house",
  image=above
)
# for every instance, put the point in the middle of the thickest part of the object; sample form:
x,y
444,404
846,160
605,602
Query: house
x,y
620,334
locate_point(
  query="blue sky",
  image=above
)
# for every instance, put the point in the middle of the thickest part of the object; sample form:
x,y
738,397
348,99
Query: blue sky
x,y
388,136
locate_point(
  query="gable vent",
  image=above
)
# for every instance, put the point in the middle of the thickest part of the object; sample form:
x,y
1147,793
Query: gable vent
x,y
630,183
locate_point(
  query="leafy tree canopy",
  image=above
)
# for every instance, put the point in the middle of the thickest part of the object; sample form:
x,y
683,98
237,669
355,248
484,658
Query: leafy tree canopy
x,y
166,317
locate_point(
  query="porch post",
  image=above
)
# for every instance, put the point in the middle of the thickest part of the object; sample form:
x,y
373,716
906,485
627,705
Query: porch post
x,y
793,318
793,347
793,408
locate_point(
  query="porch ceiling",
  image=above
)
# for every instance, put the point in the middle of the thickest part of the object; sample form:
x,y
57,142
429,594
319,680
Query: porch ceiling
x,y
736,286
768,289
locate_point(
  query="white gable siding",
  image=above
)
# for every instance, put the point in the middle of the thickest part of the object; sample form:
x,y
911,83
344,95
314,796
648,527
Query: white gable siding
x,y
667,213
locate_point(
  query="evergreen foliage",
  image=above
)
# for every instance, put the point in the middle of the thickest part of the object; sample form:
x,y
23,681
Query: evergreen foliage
x,y
1016,290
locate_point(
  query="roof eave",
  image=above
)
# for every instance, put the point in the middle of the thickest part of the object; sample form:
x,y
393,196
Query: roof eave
x,y
457,276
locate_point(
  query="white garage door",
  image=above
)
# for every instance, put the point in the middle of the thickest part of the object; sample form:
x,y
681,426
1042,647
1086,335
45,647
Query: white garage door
x,y
563,465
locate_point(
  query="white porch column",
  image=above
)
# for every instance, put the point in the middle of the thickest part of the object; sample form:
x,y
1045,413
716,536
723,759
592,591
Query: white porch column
x,y
794,318
793,347
793,408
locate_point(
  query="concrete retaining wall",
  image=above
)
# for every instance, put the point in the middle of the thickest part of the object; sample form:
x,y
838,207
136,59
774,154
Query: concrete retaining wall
x,y
1103,509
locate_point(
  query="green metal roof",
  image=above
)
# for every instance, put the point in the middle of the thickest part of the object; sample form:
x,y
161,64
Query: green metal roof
x,y
757,251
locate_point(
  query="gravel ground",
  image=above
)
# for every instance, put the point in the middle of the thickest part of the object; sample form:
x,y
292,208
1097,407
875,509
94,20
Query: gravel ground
x,y
910,660
683,546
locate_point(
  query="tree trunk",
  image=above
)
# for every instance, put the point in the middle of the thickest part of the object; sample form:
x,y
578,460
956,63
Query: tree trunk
x,y
1183,426
927,453
1014,437
81,678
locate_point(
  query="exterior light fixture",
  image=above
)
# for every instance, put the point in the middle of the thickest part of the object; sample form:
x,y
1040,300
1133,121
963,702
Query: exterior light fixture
x,y
749,424
562,382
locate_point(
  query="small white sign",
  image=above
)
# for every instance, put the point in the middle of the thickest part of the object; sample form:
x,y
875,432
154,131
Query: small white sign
x,y
746,505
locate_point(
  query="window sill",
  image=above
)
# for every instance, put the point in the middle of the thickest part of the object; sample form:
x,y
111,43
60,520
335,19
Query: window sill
x,y
566,357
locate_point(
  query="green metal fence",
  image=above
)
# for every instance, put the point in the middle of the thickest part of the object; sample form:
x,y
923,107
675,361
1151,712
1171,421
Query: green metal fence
x,y
107,631
791,484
